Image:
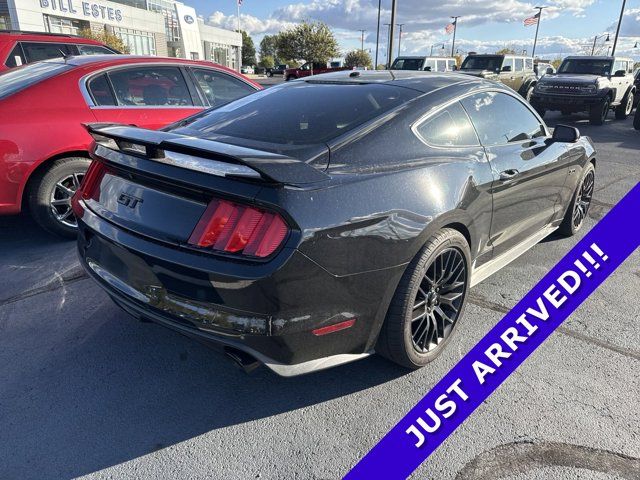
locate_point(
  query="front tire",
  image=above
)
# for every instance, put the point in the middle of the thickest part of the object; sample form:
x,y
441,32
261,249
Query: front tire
x,y
428,302
50,195
580,203
624,109
529,94
598,113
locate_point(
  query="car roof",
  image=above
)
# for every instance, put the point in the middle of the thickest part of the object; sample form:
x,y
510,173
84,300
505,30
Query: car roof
x,y
89,60
424,56
418,80
591,57
22,35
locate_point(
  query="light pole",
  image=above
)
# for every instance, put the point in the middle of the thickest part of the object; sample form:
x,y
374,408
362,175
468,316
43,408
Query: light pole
x,y
595,39
388,25
391,32
535,40
615,40
362,32
378,34
455,27
399,36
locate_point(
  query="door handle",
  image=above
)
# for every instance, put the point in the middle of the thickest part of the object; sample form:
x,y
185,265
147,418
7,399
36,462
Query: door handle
x,y
509,174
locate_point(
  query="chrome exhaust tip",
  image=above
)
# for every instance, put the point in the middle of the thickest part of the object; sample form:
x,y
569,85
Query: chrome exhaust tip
x,y
241,359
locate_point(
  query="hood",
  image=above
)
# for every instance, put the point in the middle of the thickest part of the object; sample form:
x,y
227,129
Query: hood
x,y
568,79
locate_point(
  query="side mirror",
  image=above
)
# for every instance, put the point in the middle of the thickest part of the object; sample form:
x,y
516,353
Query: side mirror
x,y
620,73
565,134
549,71
506,68
427,69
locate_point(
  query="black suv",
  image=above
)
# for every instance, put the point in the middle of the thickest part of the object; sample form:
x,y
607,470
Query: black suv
x,y
588,84
277,70
515,71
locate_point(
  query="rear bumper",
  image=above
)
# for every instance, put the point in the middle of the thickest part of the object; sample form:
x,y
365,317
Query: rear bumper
x,y
267,310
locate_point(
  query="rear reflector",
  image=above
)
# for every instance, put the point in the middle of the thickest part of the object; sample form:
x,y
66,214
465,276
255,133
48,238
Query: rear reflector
x,y
235,228
336,327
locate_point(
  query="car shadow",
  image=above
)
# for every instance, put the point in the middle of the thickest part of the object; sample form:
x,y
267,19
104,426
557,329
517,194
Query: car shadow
x,y
86,387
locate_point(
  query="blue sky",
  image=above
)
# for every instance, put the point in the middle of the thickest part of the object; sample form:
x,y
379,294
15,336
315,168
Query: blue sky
x,y
567,27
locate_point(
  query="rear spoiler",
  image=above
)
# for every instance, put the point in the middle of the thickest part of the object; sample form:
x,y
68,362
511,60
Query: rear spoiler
x,y
205,155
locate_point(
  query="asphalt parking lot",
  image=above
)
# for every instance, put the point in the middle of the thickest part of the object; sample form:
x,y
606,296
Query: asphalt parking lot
x,y
86,390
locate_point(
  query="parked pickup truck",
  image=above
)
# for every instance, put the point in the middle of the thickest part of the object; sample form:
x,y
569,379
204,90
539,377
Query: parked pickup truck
x,y
592,84
310,68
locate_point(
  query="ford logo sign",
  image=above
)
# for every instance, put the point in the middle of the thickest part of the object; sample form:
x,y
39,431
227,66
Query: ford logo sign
x,y
188,19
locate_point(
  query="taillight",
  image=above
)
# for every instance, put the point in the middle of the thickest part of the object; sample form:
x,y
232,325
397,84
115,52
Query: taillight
x,y
90,182
235,228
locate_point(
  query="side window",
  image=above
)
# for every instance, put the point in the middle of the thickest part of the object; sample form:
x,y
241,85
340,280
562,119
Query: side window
x,y
44,51
499,118
442,65
449,127
519,64
451,64
508,62
151,86
528,63
431,64
619,65
93,50
15,58
101,91
220,88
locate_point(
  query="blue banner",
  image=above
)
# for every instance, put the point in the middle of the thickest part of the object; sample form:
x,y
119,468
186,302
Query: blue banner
x,y
507,345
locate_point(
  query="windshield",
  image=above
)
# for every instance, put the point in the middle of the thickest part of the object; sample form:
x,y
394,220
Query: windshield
x,y
587,66
20,78
308,112
407,64
482,63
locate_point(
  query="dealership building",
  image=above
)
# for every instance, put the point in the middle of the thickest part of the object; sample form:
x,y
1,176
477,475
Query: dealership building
x,y
147,27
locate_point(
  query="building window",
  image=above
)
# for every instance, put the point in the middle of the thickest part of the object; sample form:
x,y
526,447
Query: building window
x,y
168,10
132,3
5,22
139,42
64,25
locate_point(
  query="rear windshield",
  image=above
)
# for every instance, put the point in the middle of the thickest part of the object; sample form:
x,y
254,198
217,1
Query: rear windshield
x,y
407,64
585,66
20,78
302,112
482,63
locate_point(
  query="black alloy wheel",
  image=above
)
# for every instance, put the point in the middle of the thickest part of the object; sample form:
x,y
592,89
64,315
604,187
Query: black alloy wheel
x,y
598,113
583,200
580,203
428,303
438,301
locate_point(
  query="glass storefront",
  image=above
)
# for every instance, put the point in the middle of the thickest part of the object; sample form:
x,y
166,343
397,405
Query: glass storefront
x,y
226,55
64,25
139,42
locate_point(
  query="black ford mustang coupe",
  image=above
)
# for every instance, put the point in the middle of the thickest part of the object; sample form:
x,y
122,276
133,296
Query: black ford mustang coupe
x,y
354,222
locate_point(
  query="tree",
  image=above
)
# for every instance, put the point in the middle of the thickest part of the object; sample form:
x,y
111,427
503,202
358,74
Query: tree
x,y
267,61
506,51
248,49
309,41
556,63
109,39
357,58
268,47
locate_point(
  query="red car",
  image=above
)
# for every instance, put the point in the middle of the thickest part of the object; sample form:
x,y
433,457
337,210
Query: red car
x,y
19,48
43,143
310,68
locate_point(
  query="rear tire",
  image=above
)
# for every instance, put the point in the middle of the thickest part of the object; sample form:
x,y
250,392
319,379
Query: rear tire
x,y
624,109
438,278
580,203
50,195
598,113
269,74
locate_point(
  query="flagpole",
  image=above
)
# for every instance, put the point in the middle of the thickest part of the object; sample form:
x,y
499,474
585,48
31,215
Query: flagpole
x,y
535,41
615,40
455,27
391,34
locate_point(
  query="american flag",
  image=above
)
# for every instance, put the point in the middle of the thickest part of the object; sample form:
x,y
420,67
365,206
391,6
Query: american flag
x,y
450,28
532,20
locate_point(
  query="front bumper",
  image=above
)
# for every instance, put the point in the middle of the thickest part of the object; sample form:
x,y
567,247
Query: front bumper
x,y
267,310
559,101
